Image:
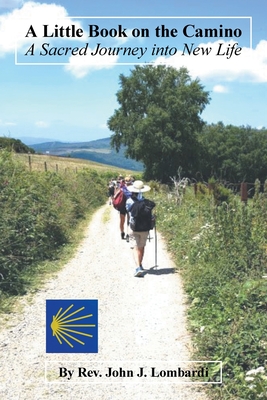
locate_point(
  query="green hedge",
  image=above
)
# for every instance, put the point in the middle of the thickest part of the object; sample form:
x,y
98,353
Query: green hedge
x,y
222,254
38,213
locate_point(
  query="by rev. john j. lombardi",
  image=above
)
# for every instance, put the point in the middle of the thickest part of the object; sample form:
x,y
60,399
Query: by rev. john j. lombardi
x,y
138,372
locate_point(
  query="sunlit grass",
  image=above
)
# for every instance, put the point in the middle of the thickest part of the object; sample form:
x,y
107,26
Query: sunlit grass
x,y
42,162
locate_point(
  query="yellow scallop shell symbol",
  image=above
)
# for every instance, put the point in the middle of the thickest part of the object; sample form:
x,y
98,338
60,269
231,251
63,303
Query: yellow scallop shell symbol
x,y
61,325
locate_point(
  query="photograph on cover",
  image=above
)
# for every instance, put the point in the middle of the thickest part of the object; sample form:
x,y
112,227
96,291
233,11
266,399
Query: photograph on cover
x,y
133,182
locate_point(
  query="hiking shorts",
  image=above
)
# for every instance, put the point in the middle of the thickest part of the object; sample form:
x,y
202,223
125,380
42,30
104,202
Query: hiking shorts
x,y
140,238
123,211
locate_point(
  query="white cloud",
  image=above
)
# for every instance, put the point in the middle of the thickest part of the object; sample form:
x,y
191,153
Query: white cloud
x,y
15,25
7,123
10,123
122,40
250,65
41,124
81,66
220,89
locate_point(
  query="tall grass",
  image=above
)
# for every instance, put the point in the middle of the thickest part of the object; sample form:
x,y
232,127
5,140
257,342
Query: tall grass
x,y
221,252
39,211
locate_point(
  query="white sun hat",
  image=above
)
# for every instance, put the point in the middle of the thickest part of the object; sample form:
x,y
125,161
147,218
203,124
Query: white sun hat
x,y
138,187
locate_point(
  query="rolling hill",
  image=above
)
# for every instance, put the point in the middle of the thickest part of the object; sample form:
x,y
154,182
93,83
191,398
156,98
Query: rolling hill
x,y
95,150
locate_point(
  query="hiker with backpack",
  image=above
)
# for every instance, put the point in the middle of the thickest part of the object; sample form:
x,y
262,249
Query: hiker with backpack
x,y
119,202
141,221
111,190
128,181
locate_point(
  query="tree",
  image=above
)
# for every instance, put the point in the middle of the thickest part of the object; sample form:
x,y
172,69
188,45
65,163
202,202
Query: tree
x,y
159,119
234,153
15,145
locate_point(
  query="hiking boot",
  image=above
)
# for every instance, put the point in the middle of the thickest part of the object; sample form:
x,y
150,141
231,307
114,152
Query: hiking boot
x,y
122,235
138,272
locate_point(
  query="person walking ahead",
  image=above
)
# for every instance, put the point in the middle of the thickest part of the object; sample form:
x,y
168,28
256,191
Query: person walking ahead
x,y
123,185
140,221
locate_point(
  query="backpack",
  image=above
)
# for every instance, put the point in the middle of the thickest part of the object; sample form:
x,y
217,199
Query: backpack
x,y
142,219
119,200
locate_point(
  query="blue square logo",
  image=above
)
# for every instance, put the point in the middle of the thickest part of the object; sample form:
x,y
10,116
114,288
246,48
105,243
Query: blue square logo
x,y
71,326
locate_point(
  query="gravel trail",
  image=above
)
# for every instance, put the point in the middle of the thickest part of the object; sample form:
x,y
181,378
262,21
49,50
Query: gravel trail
x,y
141,323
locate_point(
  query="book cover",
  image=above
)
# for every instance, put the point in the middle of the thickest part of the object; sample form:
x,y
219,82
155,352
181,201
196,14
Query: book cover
x,y
95,330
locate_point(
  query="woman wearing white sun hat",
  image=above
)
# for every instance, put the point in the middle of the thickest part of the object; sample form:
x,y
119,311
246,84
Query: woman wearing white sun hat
x,y
140,236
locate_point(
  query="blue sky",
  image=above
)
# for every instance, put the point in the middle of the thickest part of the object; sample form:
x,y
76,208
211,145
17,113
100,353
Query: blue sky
x,y
73,101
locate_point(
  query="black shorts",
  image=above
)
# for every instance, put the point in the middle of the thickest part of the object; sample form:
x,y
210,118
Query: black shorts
x,y
111,191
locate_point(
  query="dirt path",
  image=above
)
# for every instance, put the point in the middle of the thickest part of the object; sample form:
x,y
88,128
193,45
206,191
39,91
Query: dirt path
x,y
141,324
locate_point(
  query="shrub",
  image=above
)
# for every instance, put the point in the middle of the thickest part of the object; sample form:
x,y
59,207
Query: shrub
x,y
222,254
15,145
38,213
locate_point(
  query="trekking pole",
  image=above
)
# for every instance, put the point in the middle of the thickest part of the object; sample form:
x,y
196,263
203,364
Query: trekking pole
x,y
127,235
127,232
156,266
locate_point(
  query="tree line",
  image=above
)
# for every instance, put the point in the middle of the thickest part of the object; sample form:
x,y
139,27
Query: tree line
x,y
233,153
159,121
15,145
